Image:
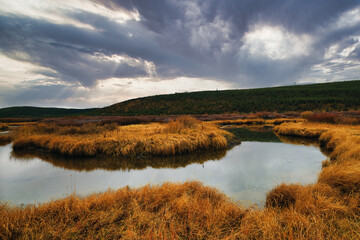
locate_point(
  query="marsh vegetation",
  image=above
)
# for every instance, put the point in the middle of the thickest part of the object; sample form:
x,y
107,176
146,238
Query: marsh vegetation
x,y
326,209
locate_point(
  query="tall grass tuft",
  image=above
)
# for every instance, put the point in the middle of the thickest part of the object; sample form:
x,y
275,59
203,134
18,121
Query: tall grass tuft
x,y
282,196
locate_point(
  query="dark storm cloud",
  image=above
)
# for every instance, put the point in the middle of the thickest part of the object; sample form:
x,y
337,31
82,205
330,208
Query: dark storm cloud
x,y
70,51
182,38
175,28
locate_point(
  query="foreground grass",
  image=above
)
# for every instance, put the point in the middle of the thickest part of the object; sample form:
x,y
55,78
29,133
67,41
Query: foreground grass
x,y
187,211
160,139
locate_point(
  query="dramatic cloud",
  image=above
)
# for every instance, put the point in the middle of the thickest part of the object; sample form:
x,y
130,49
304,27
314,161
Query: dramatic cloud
x,y
61,52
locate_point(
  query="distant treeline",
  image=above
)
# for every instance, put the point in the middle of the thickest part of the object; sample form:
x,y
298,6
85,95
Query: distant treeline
x,y
337,96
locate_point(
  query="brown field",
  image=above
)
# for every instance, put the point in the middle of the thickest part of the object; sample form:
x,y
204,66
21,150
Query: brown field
x,y
328,209
181,136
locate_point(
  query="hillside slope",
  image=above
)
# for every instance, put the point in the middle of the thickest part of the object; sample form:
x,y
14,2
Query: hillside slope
x,y
337,96
326,96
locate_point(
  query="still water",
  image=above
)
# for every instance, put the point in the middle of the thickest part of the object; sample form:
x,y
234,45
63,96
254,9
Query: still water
x,y
245,173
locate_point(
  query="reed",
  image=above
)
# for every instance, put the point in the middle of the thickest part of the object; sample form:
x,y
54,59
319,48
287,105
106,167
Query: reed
x,y
160,139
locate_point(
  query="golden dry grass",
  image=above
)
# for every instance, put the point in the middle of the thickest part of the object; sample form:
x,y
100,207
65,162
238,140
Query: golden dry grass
x,y
301,129
171,211
161,139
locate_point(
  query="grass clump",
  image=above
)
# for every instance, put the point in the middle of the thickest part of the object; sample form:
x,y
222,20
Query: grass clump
x,y
159,139
282,196
344,176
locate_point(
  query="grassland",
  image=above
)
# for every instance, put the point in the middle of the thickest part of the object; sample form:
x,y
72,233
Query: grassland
x,y
177,137
338,96
327,209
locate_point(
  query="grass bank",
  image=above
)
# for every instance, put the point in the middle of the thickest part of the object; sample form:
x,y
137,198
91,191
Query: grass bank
x,y
177,137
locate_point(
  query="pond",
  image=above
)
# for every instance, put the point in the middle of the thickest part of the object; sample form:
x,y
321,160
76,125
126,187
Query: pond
x,y
245,173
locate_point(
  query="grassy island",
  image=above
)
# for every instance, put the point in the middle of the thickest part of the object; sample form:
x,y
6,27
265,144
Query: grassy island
x,y
183,135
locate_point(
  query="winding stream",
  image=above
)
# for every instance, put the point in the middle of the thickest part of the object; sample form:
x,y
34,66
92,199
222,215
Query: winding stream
x,y
245,173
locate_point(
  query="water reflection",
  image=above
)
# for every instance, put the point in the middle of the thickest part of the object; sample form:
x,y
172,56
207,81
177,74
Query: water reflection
x,y
117,163
304,141
244,173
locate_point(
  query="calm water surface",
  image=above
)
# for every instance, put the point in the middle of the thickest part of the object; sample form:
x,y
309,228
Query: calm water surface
x,y
244,173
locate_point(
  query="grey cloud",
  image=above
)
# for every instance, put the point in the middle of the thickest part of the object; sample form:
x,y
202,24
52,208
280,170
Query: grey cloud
x,y
179,40
176,29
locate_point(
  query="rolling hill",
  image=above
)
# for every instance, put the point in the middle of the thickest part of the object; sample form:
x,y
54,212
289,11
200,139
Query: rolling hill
x,y
336,96
340,96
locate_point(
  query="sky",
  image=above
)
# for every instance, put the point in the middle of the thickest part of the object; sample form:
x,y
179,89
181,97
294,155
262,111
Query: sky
x,y
81,54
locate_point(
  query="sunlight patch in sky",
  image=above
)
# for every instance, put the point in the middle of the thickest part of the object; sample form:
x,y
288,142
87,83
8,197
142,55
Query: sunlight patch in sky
x,y
275,43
